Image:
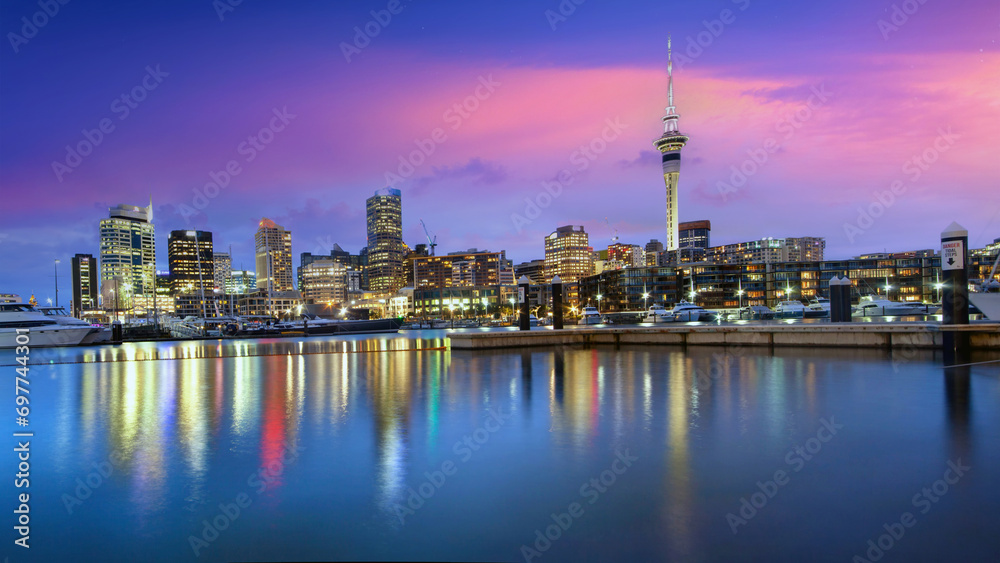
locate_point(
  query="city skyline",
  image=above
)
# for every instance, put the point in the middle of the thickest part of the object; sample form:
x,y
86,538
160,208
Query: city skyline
x,y
839,142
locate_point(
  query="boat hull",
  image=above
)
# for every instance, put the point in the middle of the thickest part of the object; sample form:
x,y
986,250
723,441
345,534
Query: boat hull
x,y
988,303
47,337
324,329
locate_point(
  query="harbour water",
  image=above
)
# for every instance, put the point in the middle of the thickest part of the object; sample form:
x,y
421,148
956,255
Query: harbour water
x,y
395,448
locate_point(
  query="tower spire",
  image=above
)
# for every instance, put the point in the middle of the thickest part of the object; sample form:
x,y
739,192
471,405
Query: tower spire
x,y
670,120
670,75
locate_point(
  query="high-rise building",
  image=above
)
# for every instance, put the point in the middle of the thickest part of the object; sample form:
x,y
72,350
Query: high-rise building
x,y
695,234
568,254
85,288
128,258
670,144
191,260
385,241
223,267
695,239
273,246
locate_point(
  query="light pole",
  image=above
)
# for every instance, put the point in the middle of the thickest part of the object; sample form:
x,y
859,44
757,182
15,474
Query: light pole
x,y
645,297
56,268
599,297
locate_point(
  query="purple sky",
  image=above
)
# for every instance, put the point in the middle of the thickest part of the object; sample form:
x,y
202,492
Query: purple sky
x,y
844,102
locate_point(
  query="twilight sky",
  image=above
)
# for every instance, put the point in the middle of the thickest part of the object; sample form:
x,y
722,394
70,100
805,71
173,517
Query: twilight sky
x,y
838,102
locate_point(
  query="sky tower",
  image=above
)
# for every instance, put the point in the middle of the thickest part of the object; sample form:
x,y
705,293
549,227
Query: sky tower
x,y
670,145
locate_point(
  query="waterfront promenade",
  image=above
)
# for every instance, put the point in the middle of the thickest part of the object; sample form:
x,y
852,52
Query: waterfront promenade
x,y
850,335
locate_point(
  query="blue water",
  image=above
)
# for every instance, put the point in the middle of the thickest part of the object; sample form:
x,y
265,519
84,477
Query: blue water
x,y
324,447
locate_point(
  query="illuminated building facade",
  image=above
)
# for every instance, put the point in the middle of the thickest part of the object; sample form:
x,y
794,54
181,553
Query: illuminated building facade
x,y
85,288
191,260
459,269
327,281
273,246
695,239
386,250
128,258
241,281
769,250
670,144
568,254
533,269
223,266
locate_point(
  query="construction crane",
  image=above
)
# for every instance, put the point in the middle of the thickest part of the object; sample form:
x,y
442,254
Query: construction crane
x,y
431,242
614,232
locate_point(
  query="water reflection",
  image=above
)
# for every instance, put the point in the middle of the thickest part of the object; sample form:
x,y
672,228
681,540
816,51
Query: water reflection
x,y
374,415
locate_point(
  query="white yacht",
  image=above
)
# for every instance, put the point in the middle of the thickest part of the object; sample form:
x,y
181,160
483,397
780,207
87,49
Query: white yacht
x,y
658,314
819,306
590,316
688,312
789,309
42,330
875,307
62,317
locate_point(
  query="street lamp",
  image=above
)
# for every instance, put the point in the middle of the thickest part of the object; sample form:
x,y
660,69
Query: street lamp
x,y
645,296
599,297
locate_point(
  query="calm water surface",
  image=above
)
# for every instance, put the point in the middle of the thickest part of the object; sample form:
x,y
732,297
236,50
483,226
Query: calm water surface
x,y
389,448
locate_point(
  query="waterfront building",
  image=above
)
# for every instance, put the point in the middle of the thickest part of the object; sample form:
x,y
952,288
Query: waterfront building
x,y
241,281
86,295
263,303
568,254
205,306
670,144
10,298
223,264
192,263
712,285
128,258
460,301
384,212
273,246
